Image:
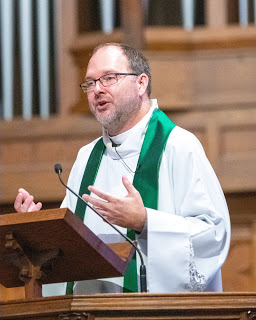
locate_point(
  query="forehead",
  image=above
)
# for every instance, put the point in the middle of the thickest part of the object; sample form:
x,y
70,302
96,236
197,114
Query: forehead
x,y
107,59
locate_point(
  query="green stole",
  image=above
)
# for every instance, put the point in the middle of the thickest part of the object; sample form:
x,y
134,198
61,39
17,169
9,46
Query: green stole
x,y
145,179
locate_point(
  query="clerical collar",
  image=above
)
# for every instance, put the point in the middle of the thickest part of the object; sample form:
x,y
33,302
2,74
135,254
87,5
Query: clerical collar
x,y
129,142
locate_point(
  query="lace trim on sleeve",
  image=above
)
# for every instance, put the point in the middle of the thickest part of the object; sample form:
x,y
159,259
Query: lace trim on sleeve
x,y
197,280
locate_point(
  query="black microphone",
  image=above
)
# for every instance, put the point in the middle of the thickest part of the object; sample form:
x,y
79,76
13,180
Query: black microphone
x,y
114,145
143,273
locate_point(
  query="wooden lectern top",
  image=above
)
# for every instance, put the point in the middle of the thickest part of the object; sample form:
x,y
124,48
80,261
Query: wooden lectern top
x,y
78,254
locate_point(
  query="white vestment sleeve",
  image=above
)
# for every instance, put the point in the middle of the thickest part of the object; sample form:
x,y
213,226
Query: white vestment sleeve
x,y
191,227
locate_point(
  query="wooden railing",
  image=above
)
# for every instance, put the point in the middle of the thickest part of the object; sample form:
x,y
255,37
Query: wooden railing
x,y
200,306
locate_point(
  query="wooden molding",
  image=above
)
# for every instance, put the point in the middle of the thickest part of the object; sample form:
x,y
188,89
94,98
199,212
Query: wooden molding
x,y
135,306
176,39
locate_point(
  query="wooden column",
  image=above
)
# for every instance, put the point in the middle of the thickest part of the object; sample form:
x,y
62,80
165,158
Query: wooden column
x,y
132,17
67,28
216,13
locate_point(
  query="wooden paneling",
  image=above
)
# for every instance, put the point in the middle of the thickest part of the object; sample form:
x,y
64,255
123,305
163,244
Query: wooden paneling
x,y
205,79
237,272
29,150
228,137
177,39
189,70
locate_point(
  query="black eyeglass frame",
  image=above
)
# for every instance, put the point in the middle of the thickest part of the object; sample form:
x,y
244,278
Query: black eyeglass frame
x,y
100,79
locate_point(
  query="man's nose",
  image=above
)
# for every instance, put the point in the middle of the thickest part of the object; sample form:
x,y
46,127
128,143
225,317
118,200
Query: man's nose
x,y
98,86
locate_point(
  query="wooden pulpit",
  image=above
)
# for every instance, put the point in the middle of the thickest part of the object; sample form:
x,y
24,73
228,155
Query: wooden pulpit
x,y
51,246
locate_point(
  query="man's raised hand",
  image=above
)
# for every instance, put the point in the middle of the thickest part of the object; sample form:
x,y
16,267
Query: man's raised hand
x,y
24,202
128,212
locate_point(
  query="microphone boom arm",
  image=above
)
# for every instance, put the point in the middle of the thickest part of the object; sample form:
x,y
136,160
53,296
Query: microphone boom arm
x,y
143,278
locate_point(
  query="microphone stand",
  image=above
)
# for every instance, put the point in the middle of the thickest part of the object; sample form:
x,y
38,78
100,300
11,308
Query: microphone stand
x,y
143,275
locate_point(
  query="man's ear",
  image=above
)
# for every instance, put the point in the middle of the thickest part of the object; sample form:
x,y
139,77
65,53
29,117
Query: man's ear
x,y
142,83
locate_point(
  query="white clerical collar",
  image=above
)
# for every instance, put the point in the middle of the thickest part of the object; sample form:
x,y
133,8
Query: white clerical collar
x,y
129,142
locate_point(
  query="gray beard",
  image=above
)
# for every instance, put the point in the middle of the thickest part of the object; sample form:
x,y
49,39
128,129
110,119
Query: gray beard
x,y
110,122
115,122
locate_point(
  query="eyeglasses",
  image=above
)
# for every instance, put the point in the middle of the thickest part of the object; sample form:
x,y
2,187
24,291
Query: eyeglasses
x,y
106,80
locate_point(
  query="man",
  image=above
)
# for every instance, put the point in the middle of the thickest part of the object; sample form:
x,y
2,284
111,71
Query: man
x,y
148,177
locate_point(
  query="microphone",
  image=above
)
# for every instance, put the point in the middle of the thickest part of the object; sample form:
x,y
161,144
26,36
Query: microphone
x,y
143,273
114,145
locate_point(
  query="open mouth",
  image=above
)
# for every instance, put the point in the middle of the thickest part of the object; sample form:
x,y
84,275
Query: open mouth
x,y
102,104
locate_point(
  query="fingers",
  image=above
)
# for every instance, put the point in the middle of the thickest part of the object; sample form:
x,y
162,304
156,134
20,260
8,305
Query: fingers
x,y
107,196
35,207
22,196
127,211
23,205
128,185
24,192
97,203
24,202
103,195
39,206
18,202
